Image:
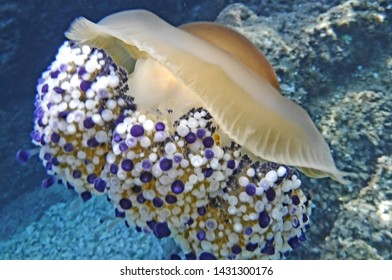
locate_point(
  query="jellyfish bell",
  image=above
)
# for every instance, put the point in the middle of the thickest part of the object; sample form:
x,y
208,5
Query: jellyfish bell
x,y
176,69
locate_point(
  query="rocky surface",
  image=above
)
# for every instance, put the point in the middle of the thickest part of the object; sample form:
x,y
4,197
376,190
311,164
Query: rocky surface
x,y
332,57
337,65
55,236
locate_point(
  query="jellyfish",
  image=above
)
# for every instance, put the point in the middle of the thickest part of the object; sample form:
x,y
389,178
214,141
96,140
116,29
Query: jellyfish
x,y
184,130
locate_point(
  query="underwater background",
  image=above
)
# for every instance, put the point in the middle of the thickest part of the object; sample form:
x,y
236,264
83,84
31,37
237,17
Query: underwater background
x,y
332,57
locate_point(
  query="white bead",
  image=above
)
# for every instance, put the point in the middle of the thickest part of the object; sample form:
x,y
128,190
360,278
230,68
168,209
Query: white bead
x,y
81,155
197,161
96,118
111,104
145,142
271,176
71,129
296,183
214,186
243,181
110,158
244,197
91,66
193,179
287,186
233,200
86,49
121,128
170,148
259,207
153,157
238,227
114,81
90,93
148,125
159,136
214,163
232,210
107,115
233,237
101,136
182,130
281,171
250,172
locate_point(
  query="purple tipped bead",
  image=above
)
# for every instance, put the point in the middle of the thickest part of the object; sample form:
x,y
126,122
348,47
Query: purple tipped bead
x,y
92,142
47,156
294,242
86,196
209,154
151,224
201,132
68,147
248,231
157,202
48,182
45,88
54,74
201,235
119,214
270,193
177,158
190,138
208,172
88,123
55,161
251,247
236,249
177,187
231,164
22,156
202,210
91,178
165,164
116,137
85,85
207,256
137,130
170,199
295,199
250,189
159,126
123,146
127,165
49,166
58,90
76,174
264,219
140,198
295,222
146,164
145,177
161,230
55,137
208,142
82,71
113,168
99,184
125,203
63,114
